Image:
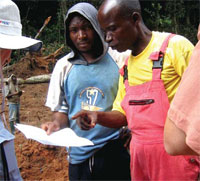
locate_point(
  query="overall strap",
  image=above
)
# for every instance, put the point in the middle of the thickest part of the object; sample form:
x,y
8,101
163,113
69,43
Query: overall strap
x,y
158,58
124,72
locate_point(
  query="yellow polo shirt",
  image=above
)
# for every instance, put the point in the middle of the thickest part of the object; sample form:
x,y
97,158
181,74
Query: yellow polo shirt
x,y
176,60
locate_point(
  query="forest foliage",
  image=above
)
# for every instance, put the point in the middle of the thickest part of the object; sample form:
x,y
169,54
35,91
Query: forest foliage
x,y
177,16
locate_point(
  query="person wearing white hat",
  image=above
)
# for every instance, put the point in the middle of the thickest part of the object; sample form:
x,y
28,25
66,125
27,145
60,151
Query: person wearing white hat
x,y
10,38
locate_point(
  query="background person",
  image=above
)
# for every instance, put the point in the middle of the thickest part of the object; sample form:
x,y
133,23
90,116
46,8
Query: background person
x,y
87,78
147,84
182,134
13,94
10,38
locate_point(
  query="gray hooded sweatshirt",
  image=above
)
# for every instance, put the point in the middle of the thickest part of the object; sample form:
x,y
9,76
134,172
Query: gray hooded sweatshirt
x,y
77,85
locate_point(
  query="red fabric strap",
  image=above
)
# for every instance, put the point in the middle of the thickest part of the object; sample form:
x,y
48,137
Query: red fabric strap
x,y
121,71
156,55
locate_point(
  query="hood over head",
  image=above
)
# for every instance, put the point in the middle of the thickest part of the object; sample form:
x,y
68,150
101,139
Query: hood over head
x,y
10,78
89,12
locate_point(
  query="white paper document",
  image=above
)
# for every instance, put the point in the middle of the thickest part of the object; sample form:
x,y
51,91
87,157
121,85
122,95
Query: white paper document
x,y
64,137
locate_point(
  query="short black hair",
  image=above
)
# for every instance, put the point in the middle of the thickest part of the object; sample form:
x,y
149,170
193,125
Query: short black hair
x,y
127,7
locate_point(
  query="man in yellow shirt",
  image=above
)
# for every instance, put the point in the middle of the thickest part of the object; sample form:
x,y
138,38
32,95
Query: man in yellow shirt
x,y
147,85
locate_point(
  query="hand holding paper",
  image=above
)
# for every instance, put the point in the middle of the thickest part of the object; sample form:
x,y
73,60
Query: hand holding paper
x,y
65,137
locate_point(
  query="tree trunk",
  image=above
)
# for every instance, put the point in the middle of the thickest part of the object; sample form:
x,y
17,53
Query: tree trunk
x,y
63,6
33,80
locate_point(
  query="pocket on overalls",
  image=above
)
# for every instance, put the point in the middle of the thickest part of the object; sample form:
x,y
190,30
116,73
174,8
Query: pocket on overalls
x,y
141,102
138,109
140,105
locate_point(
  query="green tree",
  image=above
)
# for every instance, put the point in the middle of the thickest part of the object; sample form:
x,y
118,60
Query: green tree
x,y
177,16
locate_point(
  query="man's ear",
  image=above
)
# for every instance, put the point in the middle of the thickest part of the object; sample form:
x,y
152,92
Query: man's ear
x,y
198,33
136,17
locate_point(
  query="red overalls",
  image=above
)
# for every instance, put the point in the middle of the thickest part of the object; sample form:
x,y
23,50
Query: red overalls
x,y
146,107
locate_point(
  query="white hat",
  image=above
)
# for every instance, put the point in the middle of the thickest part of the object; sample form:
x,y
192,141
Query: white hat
x,y
11,29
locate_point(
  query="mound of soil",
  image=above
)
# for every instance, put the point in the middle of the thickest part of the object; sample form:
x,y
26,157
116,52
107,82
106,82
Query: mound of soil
x,y
36,161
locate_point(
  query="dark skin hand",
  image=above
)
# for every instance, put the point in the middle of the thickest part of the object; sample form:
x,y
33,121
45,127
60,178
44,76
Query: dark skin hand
x,y
125,134
87,120
60,121
16,93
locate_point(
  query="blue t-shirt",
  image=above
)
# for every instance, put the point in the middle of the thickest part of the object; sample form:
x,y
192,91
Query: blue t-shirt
x,y
91,87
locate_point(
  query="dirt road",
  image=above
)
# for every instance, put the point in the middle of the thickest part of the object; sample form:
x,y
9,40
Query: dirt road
x,y
36,161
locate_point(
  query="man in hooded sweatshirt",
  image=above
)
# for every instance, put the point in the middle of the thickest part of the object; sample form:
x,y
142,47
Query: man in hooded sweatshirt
x,y
87,78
